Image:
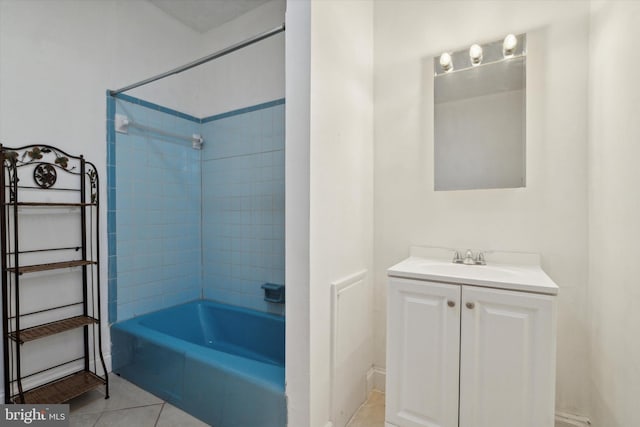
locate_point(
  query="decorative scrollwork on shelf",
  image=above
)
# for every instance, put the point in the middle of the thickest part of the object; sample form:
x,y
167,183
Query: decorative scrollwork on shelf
x,y
43,163
38,153
93,180
45,175
10,156
62,161
13,180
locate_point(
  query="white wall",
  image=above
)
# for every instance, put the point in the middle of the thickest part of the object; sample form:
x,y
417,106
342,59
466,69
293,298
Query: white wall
x,y
549,216
58,58
329,186
297,170
614,208
247,77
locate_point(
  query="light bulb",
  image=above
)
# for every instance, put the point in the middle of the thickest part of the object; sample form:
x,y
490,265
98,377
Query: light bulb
x,y
509,45
445,62
475,54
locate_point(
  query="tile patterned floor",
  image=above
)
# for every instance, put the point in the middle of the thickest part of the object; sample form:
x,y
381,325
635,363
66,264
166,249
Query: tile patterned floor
x,y
371,413
128,406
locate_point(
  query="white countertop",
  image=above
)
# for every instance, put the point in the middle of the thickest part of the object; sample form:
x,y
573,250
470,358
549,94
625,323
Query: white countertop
x,y
504,270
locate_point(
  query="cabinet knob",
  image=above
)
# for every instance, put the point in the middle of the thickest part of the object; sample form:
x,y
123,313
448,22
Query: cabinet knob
x,y
451,303
470,305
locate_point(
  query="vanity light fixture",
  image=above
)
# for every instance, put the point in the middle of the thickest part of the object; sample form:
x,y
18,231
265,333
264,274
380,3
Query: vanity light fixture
x,y
512,46
446,62
475,54
509,45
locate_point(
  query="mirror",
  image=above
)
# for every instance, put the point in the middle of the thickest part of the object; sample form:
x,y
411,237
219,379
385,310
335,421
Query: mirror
x,y
480,116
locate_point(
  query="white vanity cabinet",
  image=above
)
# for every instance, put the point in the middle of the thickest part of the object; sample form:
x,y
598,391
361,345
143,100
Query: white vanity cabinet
x,y
423,352
461,354
507,358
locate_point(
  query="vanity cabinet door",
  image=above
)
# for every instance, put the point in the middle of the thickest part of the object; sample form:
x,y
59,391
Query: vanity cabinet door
x,y
423,348
507,364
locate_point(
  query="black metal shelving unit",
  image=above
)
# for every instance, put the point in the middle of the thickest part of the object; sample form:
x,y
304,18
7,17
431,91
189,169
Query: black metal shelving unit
x,y
41,184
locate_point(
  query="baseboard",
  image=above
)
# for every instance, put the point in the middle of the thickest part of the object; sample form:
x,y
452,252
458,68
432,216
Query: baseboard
x,y
376,379
564,419
370,374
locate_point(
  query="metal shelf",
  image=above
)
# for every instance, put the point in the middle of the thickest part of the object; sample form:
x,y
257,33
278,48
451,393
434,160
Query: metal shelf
x,y
61,390
49,266
51,204
41,331
37,168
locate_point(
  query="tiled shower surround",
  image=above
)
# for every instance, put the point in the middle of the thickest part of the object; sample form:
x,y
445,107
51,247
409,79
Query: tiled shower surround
x,y
185,223
243,207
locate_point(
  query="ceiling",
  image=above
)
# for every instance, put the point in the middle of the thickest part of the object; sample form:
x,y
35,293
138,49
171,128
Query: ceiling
x,y
203,15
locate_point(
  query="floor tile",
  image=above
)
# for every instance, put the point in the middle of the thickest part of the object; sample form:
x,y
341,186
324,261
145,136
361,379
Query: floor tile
x,y
122,394
82,403
145,416
371,413
175,417
83,420
375,398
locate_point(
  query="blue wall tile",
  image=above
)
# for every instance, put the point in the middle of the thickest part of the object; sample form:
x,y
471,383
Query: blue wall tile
x,y
195,223
152,207
112,288
243,197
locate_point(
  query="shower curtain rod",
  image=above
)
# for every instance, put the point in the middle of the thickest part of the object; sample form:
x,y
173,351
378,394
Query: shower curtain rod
x,y
202,60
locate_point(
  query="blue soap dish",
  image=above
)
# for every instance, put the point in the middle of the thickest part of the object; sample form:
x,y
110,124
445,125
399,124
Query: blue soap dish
x,y
273,293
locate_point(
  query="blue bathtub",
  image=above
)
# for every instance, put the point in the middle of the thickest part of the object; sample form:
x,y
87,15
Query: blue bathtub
x,y
222,364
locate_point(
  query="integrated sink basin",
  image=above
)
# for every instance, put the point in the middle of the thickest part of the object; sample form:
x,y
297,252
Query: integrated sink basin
x,y
514,271
491,272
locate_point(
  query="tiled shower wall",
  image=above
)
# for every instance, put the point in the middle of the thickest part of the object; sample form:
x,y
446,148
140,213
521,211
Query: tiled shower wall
x,y
185,223
157,211
243,205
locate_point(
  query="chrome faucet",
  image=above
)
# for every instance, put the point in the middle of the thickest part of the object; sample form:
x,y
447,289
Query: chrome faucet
x,y
469,258
480,259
